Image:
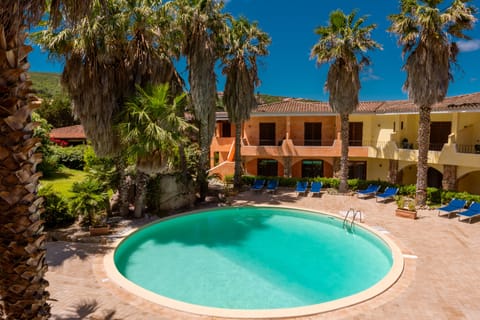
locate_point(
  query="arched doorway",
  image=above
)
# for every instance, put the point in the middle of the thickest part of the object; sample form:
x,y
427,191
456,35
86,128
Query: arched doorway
x,y
434,178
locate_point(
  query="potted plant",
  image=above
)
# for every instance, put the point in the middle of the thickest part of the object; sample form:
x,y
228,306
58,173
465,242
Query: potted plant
x,y
406,208
89,203
99,224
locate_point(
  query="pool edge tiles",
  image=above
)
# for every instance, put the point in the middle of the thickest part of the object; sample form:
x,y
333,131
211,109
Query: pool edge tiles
x,y
383,285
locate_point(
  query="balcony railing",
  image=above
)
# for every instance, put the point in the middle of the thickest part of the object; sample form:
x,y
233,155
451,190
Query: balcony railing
x,y
313,142
468,148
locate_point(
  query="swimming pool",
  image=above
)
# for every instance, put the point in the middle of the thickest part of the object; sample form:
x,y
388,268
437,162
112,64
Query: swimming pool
x,y
256,261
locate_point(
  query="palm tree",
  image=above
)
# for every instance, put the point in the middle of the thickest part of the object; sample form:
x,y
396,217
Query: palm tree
x,y
244,43
113,49
153,134
343,43
425,32
23,293
200,24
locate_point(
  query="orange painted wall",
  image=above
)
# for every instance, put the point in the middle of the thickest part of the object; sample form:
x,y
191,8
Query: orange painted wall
x,y
252,128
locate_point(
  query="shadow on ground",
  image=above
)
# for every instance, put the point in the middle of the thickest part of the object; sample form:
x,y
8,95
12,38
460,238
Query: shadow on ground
x,y
89,309
59,251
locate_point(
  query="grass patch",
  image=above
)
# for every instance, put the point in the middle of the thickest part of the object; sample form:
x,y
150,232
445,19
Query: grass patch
x,y
63,179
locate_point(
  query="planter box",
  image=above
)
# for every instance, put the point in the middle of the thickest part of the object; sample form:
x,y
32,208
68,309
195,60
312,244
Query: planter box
x,y
405,213
99,231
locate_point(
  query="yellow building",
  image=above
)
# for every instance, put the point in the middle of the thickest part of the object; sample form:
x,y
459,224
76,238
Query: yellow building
x,y
300,138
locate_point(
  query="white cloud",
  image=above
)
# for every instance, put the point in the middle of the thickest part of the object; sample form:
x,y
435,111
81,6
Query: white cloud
x,y
368,75
470,45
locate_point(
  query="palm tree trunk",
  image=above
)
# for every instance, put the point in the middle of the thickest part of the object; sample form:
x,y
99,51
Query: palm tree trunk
x,y
203,90
237,177
141,182
23,292
123,186
343,187
423,146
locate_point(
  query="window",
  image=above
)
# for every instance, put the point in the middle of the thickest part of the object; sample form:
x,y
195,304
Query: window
x,y
267,134
267,167
439,132
216,158
312,168
355,133
313,133
226,129
357,170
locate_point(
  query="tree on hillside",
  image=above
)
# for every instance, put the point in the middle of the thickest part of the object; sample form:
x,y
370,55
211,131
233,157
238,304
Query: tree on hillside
x,y
244,43
23,293
343,44
118,46
425,31
153,134
58,111
199,25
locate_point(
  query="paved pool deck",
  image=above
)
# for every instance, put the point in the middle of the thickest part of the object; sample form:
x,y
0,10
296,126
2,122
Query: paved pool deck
x,y
441,278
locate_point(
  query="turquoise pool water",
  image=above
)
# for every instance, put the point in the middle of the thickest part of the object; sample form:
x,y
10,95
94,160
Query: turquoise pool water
x,y
253,258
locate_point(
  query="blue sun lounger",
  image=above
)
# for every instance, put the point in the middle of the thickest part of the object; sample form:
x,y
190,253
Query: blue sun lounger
x,y
389,193
472,212
316,187
371,190
272,185
301,187
454,206
258,185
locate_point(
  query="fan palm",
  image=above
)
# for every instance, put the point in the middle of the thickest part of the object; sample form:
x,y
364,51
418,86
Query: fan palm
x,y
343,43
153,133
117,46
200,24
244,43
425,32
23,293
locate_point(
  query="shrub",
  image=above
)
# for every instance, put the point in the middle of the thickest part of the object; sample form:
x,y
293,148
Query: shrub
x,y
434,195
91,160
56,212
70,157
88,201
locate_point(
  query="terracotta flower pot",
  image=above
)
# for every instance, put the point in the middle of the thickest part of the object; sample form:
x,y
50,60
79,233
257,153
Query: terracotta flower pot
x,y
405,213
99,231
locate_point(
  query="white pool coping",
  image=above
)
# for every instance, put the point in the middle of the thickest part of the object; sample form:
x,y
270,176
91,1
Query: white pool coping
x,y
383,285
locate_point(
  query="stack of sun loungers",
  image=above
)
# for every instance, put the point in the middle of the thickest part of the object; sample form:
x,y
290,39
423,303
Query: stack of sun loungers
x,y
301,188
258,185
472,212
453,207
388,193
272,185
371,190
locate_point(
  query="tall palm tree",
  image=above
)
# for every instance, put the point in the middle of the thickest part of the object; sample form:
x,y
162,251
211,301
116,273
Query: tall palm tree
x,y
244,43
152,132
425,31
200,24
23,293
110,51
343,43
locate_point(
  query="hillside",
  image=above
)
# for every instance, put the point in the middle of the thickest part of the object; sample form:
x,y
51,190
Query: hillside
x,y
47,85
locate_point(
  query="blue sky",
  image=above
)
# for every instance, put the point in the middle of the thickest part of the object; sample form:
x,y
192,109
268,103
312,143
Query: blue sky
x,y
289,71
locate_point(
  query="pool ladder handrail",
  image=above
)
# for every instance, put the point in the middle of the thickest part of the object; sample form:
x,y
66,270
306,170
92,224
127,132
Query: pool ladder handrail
x,y
354,215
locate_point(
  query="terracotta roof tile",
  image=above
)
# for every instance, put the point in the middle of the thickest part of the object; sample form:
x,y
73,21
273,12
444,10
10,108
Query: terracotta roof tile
x,y
294,106
467,102
72,132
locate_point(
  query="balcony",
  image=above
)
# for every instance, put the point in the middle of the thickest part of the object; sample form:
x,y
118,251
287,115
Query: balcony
x,y
222,144
308,149
468,148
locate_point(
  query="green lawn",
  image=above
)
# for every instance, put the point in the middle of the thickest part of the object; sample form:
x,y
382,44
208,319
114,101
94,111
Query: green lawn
x,y
63,180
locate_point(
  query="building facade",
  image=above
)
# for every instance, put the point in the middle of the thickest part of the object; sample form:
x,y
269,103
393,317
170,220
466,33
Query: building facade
x,y
297,138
